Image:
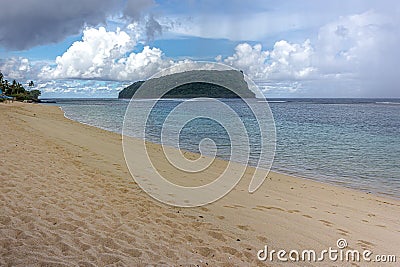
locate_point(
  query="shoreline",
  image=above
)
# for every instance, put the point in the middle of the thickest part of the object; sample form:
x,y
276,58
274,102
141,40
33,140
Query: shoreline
x,y
71,199
293,174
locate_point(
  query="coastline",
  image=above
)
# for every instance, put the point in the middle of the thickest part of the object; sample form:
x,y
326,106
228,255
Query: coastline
x,y
71,199
347,181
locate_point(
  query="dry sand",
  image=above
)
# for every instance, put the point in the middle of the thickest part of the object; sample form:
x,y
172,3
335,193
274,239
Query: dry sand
x,y
67,198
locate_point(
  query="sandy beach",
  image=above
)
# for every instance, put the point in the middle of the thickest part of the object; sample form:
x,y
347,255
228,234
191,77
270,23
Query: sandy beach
x,y
68,199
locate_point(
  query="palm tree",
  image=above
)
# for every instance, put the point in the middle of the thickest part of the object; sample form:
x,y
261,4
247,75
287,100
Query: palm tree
x,y
13,87
20,88
6,87
2,82
35,94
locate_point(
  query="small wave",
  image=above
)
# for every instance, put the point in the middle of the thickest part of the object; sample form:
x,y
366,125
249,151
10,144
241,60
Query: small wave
x,y
388,103
156,99
274,101
202,99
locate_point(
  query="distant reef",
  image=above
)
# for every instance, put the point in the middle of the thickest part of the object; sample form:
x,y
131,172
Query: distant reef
x,y
191,84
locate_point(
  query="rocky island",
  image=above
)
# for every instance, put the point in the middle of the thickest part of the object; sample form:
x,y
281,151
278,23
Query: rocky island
x,y
192,84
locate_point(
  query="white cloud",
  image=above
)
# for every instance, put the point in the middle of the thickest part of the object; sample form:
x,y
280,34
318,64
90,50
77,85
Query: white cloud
x,y
79,88
101,64
139,65
250,59
347,42
16,68
363,48
284,62
106,55
291,61
354,55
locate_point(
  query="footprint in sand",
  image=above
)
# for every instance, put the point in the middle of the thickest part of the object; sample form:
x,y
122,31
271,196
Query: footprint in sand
x,y
326,223
342,232
204,251
330,212
293,211
365,244
124,213
83,246
233,206
86,264
258,207
170,215
67,227
204,209
109,259
216,235
263,239
244,227
230,250
5,220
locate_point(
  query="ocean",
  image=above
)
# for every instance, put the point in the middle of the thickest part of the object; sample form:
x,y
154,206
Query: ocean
x,y
348,142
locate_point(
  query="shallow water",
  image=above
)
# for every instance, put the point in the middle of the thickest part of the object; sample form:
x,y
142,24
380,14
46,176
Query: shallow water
x,y
351,142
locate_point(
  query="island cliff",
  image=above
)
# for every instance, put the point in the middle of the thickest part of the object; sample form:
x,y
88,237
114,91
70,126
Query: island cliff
x,y
191,84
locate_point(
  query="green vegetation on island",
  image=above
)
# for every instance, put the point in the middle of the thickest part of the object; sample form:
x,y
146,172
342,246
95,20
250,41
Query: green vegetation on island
x,y
15,90
190,84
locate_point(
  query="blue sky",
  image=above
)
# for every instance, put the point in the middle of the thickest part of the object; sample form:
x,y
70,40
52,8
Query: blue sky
x,y
93,48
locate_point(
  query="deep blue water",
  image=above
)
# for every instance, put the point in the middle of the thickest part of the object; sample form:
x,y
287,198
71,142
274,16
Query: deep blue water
x,y
351,142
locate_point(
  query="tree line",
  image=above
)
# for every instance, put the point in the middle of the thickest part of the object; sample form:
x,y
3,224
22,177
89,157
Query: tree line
x,y
16,90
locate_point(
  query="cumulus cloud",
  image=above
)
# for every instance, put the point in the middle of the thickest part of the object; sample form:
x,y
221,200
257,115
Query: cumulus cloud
x,y
363,47
27,23
348,39
250,59
20,69
284,62
15,68
106,55
75,88
354,55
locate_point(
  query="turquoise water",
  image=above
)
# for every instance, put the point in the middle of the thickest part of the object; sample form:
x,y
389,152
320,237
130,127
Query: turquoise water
x,y
350,142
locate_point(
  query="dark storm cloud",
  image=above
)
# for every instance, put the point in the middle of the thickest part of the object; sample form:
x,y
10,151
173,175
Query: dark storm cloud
x,y
152,28
134,8
133,12
28,23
